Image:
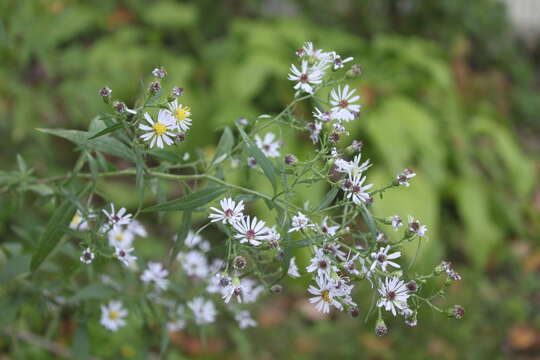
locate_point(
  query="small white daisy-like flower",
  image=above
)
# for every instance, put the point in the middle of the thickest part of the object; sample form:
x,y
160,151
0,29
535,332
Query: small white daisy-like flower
x,y
342,101
117,218
87,256
396,222
156,273
352,167
323,296
328,230
307,76
293,269
268,146
316,54
321,263
158,132
113,315
230,211
192,239
383,259
338,62
315,129
394,295
194,264
235,288
244,319
120,236
416,228
323,116
252,163
404,177
203,310
78,222
357,191
181,115
300,222
124,255
252,290
137,228
250,230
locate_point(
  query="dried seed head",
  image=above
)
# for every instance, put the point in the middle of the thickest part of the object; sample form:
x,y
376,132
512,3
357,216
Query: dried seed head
x,y
354,312
412,286
456,312
380,328
290,160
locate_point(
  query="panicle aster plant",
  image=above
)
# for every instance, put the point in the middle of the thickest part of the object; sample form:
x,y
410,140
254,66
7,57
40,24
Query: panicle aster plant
x,y
196,282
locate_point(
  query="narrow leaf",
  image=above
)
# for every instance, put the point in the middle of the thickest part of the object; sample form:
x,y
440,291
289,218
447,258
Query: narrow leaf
x,y
108,130
52,233
327,200
226,143
189,202
262,160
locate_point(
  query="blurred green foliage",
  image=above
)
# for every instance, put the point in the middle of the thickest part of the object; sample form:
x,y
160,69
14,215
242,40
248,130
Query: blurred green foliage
x,y
443,86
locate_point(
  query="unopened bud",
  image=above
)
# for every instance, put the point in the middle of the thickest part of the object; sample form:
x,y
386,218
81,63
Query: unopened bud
x,y
239,263
380,328
290,160
354,312
155,86
354,72
177,91
120,107
105,93
160,72
457,312
276,289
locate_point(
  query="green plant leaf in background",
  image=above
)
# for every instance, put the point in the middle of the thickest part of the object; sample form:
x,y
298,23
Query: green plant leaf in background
x,y
52,233
190,201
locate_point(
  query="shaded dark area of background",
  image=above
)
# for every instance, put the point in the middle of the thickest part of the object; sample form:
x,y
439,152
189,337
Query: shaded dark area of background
x,y
450,88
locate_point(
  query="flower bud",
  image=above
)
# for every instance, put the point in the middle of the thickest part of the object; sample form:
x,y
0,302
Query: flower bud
x,y
155,86
355,147
290,160
354,312
354,72
412,286
120,107
456,312
276,289
177,91
239,263
334,137
280,254
380,328
105,93
160,72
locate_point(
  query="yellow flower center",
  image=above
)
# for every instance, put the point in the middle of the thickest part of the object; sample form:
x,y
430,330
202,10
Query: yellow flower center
x,y
326,295
159,128
113,315
181,113
119,237
76,219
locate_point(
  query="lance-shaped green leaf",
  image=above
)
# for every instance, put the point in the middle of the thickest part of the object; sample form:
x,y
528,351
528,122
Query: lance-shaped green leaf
x,y
369,221
52,233
108,130
92,291
104,144
225,145
181,235
262,160
327,200
189,202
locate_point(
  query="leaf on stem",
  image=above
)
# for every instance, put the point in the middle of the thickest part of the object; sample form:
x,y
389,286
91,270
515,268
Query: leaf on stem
x,y
189,202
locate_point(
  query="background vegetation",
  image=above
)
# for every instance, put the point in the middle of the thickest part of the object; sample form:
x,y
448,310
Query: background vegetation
x,y
446,90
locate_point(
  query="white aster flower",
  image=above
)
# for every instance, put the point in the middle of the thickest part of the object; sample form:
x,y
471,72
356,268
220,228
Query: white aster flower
x,y
78,222
315,129
235,288
352,167
321,263
342,101
404,177
124,255
158,132
324,296
300,222
112,315
293,269
306,77
117,218
416,228
338,62
137,228
396,222
357,191
244,319
181,115
87,256
230,211
194,264
383,259
323,116
252,162
250,230
120,236
317,55
203,310
268,146
328,230
156,273
394,295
